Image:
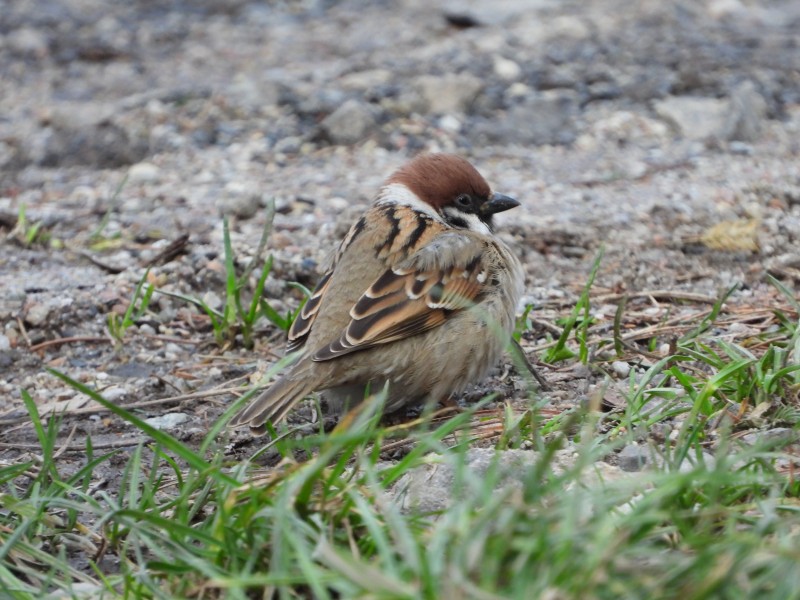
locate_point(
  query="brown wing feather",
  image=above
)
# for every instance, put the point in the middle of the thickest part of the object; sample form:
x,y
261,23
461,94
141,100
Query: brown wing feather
x,y
301,327
417,295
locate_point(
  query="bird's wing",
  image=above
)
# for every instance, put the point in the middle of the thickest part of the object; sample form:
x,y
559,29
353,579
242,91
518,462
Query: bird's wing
x,y
446,275
301,327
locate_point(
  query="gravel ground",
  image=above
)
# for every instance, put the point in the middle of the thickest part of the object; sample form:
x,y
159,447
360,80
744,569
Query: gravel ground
x,y
666,132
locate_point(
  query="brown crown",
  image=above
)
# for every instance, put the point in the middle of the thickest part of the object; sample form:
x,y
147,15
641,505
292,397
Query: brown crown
x,y
440,178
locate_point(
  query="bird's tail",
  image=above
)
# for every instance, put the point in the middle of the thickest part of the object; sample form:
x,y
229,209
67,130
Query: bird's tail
x,y
274,403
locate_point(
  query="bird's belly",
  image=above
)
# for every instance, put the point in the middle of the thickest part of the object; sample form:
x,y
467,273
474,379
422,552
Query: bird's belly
x,y
428,367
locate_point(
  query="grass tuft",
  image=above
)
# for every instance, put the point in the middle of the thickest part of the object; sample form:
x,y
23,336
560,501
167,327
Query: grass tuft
x,y
521,502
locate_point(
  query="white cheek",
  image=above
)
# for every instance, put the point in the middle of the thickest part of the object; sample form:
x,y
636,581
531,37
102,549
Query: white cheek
x,y
397,193
475,224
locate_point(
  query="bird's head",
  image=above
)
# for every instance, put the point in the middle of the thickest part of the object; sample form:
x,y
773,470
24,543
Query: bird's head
x,y
450,187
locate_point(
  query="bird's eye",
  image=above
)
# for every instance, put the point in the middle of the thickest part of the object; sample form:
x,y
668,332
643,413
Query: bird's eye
x,y
464,201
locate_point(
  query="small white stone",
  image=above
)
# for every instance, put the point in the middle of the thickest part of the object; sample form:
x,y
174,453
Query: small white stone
x,y
519,90
114,393
37,314
506,69
143,172
622,369
27,40
212,300
146,329
450,123
168,421
174,348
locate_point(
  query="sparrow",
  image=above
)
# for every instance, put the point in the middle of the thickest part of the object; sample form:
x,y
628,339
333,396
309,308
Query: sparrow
x,y
421,294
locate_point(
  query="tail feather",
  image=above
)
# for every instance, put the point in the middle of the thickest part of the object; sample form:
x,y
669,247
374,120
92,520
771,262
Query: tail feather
x,y
274,403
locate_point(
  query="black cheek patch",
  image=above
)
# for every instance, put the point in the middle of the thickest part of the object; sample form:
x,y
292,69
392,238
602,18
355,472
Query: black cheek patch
x,y
457,222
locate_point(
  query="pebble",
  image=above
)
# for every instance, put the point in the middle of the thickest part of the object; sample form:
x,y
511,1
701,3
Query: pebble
x,y
143,172
240,199
739,117
748,112
36,314
146,329
350,123
28,41
364,80
87,134
114,393
174,348
774,435
167,421
80,589
289,145
742,148
430,487
695,118
506,69
451,93
450,123
212,300
543,118
633,457
622,369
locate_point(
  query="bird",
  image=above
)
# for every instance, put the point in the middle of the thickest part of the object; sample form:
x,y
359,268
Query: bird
x,y
420,298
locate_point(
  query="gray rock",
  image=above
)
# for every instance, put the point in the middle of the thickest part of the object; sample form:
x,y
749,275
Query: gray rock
x,y
432,487
101,134
545,118
350,123
740,117
621,368
37,314
27,41
115,393
451,93
506,69
309,101
168,421
240,199
408,101
365,80
693,117
742,148
254,94
633,458
775,435
748,110
212,299
104,145
86,591
289,145
5,343
146,329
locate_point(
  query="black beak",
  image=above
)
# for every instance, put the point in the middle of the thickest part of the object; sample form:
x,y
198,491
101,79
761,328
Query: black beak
x,y
498,203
